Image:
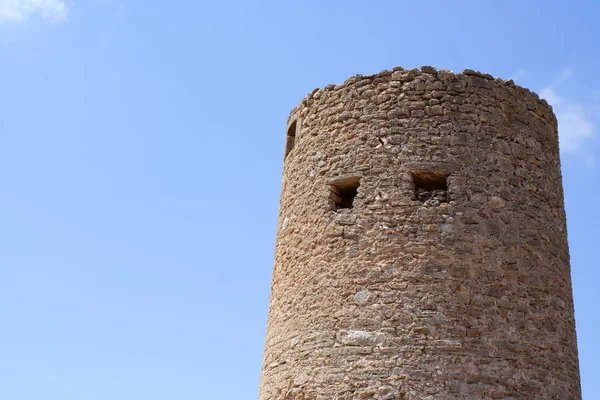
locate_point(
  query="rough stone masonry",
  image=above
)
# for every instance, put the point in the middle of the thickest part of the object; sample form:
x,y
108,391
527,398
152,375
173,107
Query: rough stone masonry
x,y
422,247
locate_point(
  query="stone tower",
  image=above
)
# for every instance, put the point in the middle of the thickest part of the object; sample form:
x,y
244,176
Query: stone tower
x,y
422,246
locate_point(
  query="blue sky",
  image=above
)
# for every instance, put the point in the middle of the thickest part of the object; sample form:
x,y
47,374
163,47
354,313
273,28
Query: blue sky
x,y
141,145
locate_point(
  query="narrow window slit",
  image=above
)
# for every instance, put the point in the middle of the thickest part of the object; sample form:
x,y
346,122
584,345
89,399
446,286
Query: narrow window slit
x,y
430,186
290,140
343,191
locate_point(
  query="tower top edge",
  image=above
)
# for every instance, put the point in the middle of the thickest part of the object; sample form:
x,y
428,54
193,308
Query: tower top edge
x,y
402,75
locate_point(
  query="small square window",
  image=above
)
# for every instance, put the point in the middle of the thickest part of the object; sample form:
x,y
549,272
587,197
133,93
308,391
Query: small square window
x,y
430,186
343,192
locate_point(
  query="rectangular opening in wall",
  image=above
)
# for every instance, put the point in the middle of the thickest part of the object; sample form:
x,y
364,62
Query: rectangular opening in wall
x,y
343,192
290,139
430,186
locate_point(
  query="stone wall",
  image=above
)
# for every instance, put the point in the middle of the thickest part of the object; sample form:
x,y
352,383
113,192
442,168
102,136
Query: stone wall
x,y
449,277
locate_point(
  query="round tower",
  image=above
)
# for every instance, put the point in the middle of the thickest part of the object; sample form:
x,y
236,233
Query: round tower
x,y
422,247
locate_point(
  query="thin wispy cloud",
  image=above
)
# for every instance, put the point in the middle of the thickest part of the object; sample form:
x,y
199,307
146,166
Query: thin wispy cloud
x,y
20,10
517,76
575,123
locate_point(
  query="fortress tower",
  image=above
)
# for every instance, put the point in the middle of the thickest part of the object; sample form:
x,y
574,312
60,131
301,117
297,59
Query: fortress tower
x,y
422,246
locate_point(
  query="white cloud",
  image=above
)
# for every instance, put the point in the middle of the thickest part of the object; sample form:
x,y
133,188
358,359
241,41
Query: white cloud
x,y
520,74
574,123
590,162
18,10
564,75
